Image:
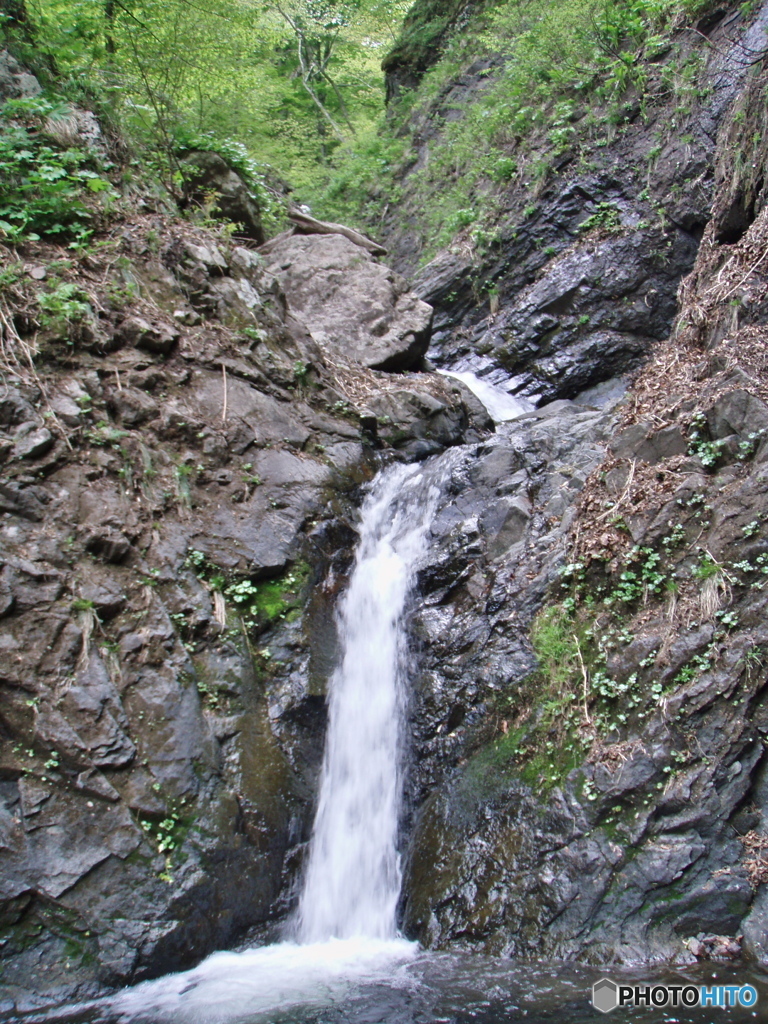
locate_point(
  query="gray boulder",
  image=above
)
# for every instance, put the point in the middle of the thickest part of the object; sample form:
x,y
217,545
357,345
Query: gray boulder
x,y
15,81
205,171
354,307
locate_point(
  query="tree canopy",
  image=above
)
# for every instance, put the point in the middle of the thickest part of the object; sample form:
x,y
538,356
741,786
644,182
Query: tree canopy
x,y
292,80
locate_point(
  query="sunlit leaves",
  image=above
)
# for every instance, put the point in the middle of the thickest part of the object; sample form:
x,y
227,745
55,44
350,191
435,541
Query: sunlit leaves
x,y
233,68
41,185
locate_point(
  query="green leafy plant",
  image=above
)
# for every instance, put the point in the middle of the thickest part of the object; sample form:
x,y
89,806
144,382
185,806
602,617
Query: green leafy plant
x,y
43,186
707,568
461,219
606,216
700,445
301,373
674,538
168,833
64,306
640,577
504,169
751,529
104,434
239,159
748,446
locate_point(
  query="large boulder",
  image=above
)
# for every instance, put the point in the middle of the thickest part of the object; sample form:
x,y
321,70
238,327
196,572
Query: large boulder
x,y
15,81
205,171
353,306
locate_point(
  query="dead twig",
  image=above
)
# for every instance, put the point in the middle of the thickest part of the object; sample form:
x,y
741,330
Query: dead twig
x,y
585,681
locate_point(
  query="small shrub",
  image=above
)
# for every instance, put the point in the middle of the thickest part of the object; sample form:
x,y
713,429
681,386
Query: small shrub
x,y
504,169
606,216
42,186
62,307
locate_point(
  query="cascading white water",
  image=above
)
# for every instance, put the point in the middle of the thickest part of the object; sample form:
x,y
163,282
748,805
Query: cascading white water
x,y
501,406
345,932
353,877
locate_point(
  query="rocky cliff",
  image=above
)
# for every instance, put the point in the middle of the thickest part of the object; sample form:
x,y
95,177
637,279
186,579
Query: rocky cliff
x,y
182,448
186,427
574,241
589,720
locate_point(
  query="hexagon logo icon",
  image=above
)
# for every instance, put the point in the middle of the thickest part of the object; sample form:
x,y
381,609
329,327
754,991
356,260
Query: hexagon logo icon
x,y
605,995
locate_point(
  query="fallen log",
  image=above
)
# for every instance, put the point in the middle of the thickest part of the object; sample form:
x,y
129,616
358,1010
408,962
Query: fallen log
x,y
307,225
303,224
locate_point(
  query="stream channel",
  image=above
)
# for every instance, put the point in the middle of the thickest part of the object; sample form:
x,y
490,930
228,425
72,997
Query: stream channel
x,y
343,960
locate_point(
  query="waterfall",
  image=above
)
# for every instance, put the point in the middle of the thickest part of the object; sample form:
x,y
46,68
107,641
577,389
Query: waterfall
x,y
345,924
501,406
352,880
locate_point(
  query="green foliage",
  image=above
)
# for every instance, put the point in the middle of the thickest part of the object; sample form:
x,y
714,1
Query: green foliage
x,y
675,537
503,169
707,569
259,604
195,560
10,274
63,306
297,85
262,604
104,434
606,216
692,669
167,833
640,577
556,646
547,64
239,159
43,185
699,444
208,693
290,81
748,446
752,528
300,373
461,219
361,176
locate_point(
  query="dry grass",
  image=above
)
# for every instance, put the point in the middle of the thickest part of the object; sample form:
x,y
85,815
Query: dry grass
x,y
686,374
710,339
359,384
715,594
756,857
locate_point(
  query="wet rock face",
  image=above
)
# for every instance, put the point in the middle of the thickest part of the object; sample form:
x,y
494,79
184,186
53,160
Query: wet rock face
x,y
576,311
629,851
175,527
497,540
580,276
353,306
593,315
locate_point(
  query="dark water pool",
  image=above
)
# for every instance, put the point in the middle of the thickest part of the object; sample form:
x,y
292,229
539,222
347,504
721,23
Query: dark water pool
x,y
371,982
